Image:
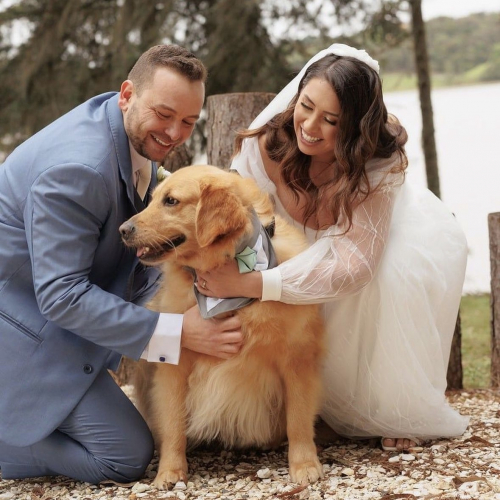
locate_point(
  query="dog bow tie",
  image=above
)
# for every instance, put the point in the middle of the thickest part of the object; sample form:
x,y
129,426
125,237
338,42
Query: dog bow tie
x,y
246,259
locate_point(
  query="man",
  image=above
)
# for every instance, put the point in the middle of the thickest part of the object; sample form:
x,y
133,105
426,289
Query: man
x,y
71,293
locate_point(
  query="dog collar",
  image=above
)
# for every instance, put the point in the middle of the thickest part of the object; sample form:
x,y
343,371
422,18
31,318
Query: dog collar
x,y
255,252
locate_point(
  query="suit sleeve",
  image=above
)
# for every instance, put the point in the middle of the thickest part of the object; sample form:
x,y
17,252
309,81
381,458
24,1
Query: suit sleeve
x,y
65,211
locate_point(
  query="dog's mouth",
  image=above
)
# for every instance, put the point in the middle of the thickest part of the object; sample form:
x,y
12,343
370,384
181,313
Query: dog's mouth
x,y
150,253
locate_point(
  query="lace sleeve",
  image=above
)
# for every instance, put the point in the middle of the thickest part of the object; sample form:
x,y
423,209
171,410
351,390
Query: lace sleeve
x,y
338,265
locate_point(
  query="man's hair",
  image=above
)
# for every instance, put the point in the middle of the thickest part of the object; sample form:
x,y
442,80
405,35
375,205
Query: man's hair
x,y
172,56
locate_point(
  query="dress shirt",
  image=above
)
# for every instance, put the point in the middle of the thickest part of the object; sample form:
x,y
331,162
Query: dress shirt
x,y
165,343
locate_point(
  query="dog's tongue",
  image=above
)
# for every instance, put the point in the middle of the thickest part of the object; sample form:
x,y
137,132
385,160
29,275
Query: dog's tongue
x,y
140,252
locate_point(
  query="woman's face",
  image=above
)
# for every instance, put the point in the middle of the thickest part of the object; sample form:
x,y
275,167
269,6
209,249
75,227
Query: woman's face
x,y
315,120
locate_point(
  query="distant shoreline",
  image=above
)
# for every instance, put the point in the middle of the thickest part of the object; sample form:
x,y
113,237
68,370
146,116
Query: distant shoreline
x,y
400,82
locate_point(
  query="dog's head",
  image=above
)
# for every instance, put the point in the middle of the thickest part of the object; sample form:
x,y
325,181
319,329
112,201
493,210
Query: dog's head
x,y
197,216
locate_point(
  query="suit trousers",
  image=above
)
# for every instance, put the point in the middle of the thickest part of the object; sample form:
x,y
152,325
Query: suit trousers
x,y
103,438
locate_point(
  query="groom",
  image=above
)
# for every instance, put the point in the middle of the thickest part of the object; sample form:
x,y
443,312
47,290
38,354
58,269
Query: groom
x,y
70,292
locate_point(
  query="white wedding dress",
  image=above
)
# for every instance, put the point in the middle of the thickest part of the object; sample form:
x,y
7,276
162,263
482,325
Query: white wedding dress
x,y
390,291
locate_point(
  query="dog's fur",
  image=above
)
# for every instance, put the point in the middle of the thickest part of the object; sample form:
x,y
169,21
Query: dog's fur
x,y
271,389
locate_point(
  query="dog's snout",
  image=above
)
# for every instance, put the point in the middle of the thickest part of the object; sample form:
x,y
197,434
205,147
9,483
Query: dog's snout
x,y
127,229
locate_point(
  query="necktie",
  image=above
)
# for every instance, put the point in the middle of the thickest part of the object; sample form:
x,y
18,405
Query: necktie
x,y
143,179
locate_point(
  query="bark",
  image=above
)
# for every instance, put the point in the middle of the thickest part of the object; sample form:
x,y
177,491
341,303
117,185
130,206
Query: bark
x,y
424,89
454,377
226,114
494,234
431,161
178,158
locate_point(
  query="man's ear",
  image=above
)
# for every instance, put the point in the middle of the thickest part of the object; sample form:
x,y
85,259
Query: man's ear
x,y
219,213
126,91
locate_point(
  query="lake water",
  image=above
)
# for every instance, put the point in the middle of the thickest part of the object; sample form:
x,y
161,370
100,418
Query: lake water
x,y
467,125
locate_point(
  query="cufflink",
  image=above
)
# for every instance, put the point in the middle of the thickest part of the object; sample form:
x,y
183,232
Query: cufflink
x,y
162,359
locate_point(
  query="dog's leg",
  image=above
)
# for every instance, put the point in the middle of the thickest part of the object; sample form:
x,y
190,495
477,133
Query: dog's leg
x,y
302,385
168,404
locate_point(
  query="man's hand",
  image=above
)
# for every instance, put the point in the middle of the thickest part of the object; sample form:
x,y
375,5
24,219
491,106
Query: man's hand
x,y
221,338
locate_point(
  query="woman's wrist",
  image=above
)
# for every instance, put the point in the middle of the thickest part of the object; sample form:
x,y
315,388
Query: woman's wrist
x,y
271,284
254,285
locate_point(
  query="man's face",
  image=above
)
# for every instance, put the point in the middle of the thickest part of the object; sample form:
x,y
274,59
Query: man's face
x,y
163,115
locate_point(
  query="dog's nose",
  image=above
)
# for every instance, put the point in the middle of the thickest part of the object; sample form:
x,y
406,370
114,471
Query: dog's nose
x,y
126,230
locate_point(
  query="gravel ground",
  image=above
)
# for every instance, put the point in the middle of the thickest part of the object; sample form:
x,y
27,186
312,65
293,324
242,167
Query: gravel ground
x,y
464,468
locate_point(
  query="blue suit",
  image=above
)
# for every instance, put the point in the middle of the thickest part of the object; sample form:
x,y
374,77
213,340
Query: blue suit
x,y
69,289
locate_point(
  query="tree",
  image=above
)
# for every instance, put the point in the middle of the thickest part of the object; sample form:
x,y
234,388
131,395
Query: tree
x,y
424,90
80,48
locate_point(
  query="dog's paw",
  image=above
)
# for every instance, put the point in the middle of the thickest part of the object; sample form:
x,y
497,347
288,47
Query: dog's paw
x,y
306,472
166,478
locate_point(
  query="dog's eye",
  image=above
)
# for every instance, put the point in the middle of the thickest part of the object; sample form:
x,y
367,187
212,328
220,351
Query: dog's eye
x,y
170,201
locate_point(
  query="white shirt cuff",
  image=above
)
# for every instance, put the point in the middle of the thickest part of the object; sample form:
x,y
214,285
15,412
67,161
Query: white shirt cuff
x,y
165,343
271,284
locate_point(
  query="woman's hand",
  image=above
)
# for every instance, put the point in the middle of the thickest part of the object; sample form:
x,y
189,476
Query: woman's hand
x,y
226,281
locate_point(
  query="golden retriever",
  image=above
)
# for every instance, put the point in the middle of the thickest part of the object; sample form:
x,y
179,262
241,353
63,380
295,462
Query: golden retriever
x,y
271,390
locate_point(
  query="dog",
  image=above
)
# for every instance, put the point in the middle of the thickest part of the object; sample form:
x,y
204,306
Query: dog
x,y
271,389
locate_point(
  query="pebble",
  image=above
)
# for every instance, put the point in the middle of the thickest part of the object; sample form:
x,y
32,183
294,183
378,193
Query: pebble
x,y
448,468
140,487
264,473
347,472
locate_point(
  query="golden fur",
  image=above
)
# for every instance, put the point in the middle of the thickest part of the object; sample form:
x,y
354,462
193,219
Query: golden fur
x,y
271,389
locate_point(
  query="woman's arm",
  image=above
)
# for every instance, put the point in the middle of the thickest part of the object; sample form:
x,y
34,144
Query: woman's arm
x,y
335,266
339,265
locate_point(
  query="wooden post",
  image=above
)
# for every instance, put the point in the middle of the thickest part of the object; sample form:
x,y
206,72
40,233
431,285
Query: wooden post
x,y
226,114
494,235
454,376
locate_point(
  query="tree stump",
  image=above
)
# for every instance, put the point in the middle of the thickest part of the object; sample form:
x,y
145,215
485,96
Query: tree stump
x,y
227,114
177,158
494,235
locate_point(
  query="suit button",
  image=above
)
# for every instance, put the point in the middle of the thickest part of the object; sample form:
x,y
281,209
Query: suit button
x,y
87,369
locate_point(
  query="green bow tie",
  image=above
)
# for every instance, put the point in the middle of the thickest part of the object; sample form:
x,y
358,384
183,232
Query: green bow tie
x,y
246,259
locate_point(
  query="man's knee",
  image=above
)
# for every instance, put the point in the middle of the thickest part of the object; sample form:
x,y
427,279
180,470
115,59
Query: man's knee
x,y
133,463
132,466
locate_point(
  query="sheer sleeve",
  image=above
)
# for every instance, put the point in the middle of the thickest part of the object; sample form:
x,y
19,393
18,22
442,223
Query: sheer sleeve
x,y
338,265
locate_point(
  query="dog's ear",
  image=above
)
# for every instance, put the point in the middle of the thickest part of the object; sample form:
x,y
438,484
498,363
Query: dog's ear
x,y
219,213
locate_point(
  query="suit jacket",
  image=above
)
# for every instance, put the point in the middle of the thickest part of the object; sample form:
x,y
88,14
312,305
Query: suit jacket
x,y
69,289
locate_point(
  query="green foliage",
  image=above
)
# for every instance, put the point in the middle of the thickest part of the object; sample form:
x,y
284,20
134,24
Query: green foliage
x,y
476,340
455,46
80,48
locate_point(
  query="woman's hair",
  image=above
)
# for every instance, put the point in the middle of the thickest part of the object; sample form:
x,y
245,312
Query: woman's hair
x,y
170,56
365,131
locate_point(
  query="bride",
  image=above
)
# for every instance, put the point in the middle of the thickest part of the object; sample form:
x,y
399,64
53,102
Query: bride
x,y
386,259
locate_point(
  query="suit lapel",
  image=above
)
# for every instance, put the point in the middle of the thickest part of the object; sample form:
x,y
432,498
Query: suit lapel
x,y
123,154
122,150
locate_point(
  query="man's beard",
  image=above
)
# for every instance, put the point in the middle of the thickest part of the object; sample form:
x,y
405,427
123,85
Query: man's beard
x,y
130,125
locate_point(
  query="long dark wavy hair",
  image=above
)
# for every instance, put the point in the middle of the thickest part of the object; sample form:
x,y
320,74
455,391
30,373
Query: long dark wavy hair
x,y
365,131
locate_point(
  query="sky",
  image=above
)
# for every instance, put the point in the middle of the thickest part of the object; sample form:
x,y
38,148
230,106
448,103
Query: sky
x,y
457,8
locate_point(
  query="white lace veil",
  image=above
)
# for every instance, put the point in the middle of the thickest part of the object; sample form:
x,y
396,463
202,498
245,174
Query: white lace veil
x,y
281,101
